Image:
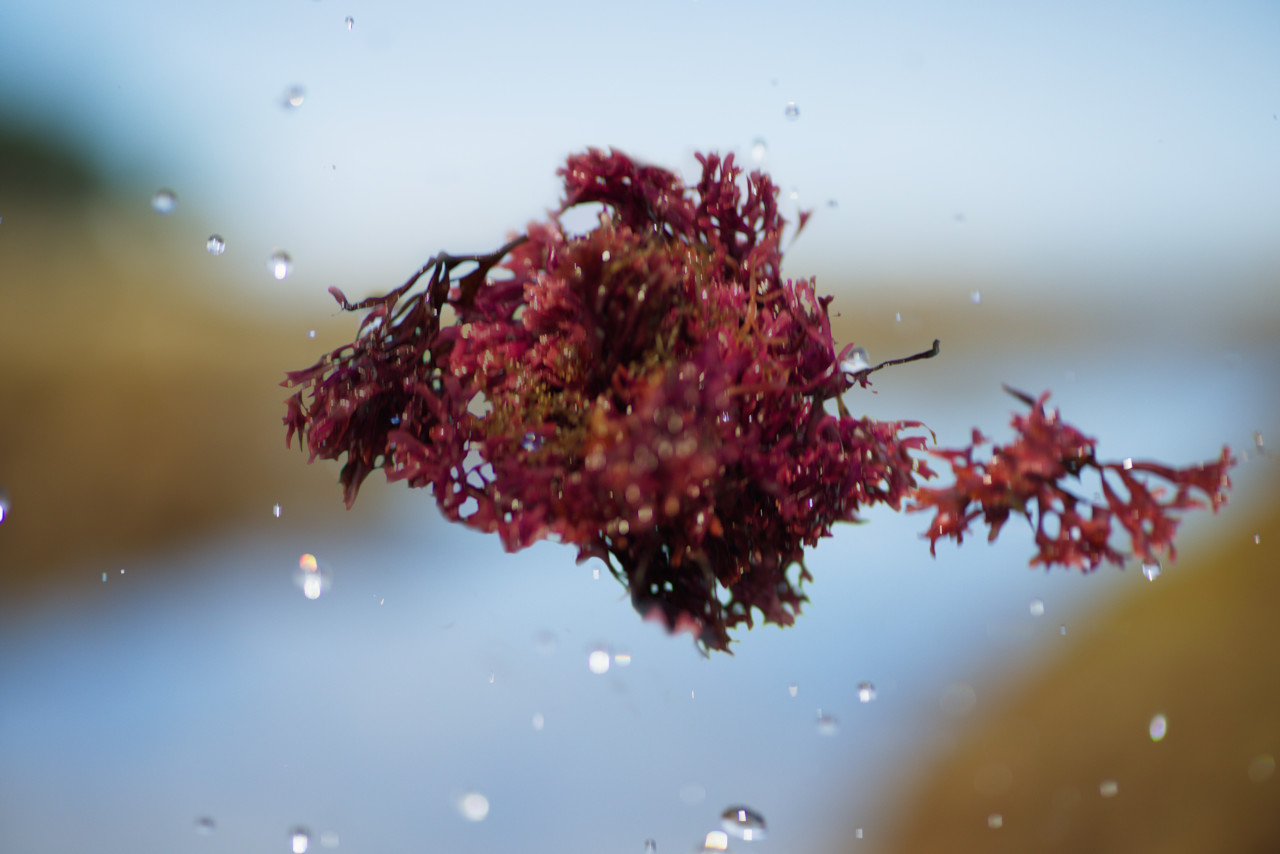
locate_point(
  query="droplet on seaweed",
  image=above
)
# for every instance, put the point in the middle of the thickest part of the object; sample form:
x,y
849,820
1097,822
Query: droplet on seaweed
x,y
473,806
1151,571
280,265
866,692
792,112
856,361
743,823
215,244
164,201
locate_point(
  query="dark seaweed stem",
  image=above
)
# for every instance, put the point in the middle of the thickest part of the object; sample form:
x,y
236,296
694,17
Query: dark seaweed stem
x,y
653,392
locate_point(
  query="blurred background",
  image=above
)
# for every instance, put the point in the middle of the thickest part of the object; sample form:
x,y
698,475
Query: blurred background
x,y
1079,198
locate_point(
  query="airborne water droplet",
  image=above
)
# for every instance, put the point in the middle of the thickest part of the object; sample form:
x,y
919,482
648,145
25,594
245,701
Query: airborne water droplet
x,y
758,150
280,265
1037,607
351,22
598,661
294,97
1108,788
650,846
995,821
792,112
275,510
828,724
4,505
164,202
975,297
1151,571
793,689
744,823
473,806
205,825
866,692
300,840
1157,728
215,244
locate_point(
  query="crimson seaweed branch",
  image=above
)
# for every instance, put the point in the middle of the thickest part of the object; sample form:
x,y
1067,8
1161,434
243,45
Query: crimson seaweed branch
x,y
655,393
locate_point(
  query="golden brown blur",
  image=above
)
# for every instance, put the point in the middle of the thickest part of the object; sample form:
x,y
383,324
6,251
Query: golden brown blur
x,y
139,407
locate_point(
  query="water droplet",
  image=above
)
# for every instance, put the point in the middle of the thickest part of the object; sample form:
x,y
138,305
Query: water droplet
x,y
205,825
1262,767
995,821
857,834
279,264
539,722
622,659
1151,571
164,202
473,806
215,244
650,846
351,23
975,297
1157,728
595,575
300,839
866,692
531,442
294,97
598,661
793,689
758,150
794,194
717,840
328,839
792,112
275,510
857,360
743,823
311,333
897,316
828,724
311,577
1108,788
104,578
4,505
1257,538
832,203
1037,607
